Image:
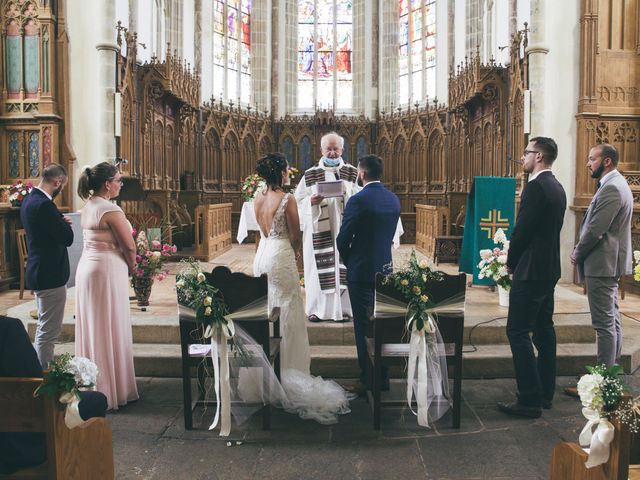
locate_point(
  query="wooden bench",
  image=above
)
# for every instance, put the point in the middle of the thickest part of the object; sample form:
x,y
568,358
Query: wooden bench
x,y
79,453
568,460
387,341
237,290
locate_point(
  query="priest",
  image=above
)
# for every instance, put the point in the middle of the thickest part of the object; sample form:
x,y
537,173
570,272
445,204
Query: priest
x,y
325,275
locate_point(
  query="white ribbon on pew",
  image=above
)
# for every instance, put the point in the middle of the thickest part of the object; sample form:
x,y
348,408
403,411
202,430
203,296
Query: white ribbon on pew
x,y
220,334
72,418
598,440
427,353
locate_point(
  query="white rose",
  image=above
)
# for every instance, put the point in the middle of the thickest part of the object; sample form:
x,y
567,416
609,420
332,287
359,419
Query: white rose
x,y
486,254
423,264
84,371
589,390
180,283
201,277
207,311
636,256
157,254
207,301
24,192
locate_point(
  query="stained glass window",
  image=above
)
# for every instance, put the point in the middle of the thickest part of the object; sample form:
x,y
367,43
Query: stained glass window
x,y
232,50
417,55
325,32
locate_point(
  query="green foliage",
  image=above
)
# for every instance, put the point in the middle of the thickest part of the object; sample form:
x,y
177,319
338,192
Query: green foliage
x,y
413,280
196,293
59,378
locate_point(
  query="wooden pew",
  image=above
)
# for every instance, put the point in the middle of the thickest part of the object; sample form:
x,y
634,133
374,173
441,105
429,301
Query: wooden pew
x,y
79,453
387,343
568,459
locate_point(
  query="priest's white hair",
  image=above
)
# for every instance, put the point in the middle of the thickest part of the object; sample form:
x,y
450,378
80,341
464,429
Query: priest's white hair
x,y
325,139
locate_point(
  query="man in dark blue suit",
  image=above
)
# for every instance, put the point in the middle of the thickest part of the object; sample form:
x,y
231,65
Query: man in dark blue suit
x,y
369,223
49,234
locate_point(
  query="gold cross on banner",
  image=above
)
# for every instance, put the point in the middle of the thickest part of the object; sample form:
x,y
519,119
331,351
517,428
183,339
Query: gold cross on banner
x,y
493,221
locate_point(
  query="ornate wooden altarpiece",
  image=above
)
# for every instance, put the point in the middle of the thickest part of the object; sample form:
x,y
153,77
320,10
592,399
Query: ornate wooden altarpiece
x,y
609,99
33,106
183,154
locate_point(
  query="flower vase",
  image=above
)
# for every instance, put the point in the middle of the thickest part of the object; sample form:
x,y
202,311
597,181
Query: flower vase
x,y
503,296
142,288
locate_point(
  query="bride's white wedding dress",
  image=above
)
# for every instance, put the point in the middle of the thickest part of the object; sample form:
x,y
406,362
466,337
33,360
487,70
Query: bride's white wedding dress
x,y
311,397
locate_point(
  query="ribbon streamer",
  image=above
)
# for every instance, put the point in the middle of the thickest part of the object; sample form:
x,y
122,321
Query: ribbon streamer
x,y
427,356
72,418
598,440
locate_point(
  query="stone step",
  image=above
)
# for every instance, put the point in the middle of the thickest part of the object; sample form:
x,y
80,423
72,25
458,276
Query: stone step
x,y
485,361
163,329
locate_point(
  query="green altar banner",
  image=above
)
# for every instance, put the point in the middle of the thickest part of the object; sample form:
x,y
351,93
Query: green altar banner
x,y
490,206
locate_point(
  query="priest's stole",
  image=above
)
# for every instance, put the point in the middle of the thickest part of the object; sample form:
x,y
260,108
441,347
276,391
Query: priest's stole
x,y
490,206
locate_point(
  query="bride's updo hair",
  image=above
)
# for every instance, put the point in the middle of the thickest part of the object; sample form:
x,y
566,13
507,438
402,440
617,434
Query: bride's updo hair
x,y
270,167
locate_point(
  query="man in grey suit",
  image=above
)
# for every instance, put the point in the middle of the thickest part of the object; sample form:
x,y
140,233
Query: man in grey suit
x,y
603,252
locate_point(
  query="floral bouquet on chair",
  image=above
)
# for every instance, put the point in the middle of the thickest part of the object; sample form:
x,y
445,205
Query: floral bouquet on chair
x,y
18,191
636,268
67,376
150,259
601,393
493,263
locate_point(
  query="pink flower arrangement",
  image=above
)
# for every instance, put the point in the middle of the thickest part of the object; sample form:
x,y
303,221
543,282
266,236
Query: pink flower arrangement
x,y
18,191
150,257
493,263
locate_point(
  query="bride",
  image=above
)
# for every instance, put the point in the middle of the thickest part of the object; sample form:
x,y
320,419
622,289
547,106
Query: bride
x,y
280,245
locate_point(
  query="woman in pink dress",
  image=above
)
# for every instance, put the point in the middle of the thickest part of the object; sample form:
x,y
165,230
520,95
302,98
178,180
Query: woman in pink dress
x,y
103,323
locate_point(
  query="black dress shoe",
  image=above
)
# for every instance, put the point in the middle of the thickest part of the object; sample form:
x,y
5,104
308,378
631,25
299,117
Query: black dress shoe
x,y
315,319
515,408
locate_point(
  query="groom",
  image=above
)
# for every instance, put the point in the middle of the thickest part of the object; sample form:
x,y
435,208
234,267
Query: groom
x,y
364,242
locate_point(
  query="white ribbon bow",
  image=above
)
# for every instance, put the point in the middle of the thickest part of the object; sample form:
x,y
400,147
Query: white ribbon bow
x,y
72,416
418,354
219,335
598,440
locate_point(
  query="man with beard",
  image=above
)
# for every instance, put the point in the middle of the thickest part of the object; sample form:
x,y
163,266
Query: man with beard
x,y
49,234
604,251
534,259
325,275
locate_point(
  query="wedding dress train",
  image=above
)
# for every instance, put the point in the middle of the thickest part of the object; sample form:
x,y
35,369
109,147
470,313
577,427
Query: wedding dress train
x,y
308,396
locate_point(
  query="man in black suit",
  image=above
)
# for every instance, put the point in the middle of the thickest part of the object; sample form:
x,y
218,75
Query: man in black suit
x,y
534,259
366,235
19,359
49,234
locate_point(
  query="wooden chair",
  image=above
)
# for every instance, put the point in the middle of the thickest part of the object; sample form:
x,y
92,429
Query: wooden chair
x,y
568,459
75,454
21,235
387,342
237,290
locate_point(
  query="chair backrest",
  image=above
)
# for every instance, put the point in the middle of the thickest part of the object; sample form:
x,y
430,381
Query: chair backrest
x,y
391,330
237,290
21,235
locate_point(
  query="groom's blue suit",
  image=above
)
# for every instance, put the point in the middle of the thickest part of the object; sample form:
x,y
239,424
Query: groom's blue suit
x,y
369,223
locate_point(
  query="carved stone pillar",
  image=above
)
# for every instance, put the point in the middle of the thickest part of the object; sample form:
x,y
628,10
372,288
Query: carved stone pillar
x,y
537,51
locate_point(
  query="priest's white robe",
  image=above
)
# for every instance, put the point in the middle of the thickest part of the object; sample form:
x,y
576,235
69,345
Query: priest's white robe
x,y
324,274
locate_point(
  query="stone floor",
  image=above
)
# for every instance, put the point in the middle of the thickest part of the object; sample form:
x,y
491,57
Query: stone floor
x,y
150,441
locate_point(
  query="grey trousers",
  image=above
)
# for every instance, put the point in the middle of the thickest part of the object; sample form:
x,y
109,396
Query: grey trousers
x,y
602,293
51,304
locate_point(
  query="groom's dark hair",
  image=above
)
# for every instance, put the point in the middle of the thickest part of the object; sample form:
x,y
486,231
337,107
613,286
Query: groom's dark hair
x,y
372,165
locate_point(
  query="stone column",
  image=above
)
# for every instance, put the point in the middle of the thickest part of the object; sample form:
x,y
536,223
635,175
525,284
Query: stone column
x,y
537,51
261,54
388,54
358,61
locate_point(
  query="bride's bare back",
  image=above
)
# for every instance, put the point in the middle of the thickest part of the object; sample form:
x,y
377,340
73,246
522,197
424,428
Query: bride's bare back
x,y
266,205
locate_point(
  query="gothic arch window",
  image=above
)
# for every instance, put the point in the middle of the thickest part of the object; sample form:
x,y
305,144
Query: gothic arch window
x,y
232,50
361,147
287,150
305,153
417,51
325,32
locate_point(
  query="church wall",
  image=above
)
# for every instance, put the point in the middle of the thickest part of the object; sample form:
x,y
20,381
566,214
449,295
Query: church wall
x,y
562,78
188,31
